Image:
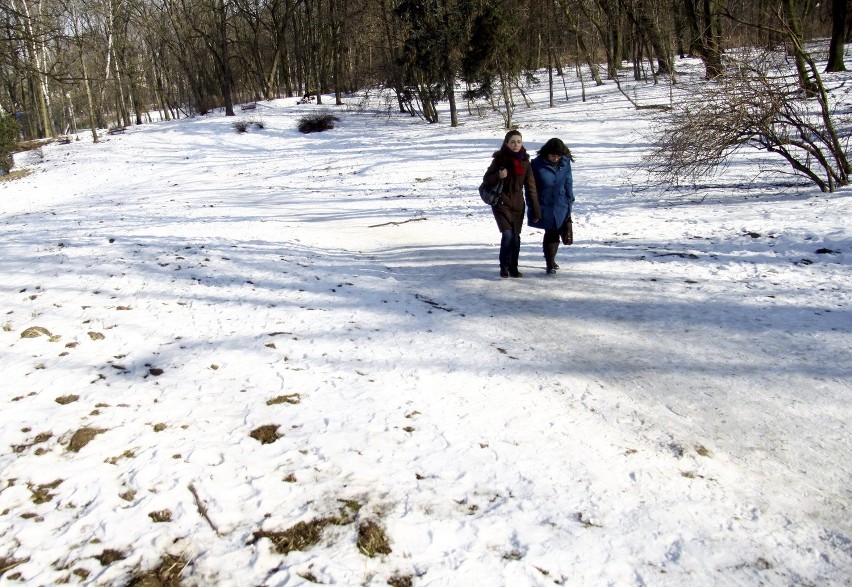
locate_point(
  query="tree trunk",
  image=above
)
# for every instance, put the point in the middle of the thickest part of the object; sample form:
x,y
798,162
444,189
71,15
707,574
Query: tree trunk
x,y
225,65
581,44
92,118
550,76
704,35
839,10
37,80
451,96
794,30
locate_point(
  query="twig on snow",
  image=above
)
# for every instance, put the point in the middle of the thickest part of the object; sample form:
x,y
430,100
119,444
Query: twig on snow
x,y
202,509
396,223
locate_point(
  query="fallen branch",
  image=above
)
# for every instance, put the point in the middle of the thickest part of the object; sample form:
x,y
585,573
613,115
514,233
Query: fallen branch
x,y
202,509
636,104
396,223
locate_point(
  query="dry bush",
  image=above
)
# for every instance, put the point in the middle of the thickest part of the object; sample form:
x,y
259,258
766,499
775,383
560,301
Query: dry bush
x,y
757,103
318,122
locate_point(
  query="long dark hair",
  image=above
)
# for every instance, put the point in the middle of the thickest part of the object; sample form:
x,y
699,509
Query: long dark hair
x,y
555,146
510,134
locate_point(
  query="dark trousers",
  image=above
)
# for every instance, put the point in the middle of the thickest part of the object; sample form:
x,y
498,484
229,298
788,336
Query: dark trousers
x,y
510,250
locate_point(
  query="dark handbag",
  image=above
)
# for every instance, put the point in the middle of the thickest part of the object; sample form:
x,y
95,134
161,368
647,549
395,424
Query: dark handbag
x,y
566,231
491,194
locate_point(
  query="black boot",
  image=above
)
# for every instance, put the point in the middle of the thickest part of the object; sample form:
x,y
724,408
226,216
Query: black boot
x,y
505,257
514,256
550,257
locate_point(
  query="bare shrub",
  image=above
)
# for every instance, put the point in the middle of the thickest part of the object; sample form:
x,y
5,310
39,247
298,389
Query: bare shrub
x,y
319,122
244,124
757,103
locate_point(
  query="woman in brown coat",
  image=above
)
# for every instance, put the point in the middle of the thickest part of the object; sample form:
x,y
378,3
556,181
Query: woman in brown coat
x,y
512,165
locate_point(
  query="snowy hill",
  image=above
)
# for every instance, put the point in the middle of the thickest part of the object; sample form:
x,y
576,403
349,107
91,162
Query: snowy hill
x,y
242,356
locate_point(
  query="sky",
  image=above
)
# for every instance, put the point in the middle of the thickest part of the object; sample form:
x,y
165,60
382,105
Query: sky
x,y
233,356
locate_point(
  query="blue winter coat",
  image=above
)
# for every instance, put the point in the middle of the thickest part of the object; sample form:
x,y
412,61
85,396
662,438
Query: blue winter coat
x,y
555,186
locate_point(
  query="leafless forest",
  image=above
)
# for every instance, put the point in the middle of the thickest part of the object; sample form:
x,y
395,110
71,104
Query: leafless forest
x,y
69,65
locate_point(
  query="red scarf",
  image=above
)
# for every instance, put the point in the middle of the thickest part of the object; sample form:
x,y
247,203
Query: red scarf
x,y
517,160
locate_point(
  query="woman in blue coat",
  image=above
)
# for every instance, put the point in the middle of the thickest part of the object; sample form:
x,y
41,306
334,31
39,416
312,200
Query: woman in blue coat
x,y
555,187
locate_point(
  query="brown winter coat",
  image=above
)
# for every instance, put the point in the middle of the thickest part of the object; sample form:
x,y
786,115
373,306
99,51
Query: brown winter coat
x,y
509,211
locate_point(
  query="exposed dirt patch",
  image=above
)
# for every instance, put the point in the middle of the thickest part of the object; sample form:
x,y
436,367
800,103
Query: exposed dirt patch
x,y
40,438
67,399
109,556
266,434
82,437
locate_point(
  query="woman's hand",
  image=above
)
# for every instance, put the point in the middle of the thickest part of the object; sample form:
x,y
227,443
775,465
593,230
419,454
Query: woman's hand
x,y
503,173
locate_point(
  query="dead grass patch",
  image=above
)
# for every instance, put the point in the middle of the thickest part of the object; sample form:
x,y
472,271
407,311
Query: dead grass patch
x,y
15,174
306,534
372,539
41,493
400,581
128,454
166,574
299,537
161,516
702,451
35,331
7,564
293,398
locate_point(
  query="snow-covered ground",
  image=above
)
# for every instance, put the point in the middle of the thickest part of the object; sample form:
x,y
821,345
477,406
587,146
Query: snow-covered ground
x,y
254,339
